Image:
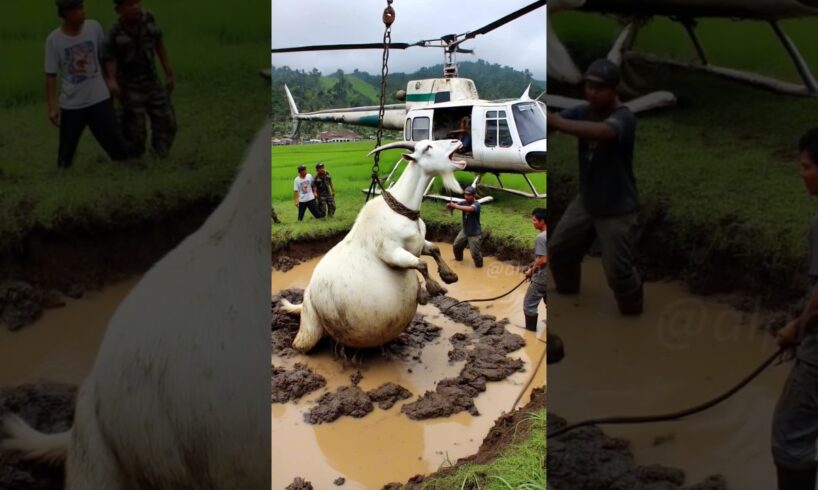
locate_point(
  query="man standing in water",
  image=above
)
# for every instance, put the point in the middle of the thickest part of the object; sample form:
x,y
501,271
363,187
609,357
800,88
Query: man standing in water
x,y
607,204
795,423
471,232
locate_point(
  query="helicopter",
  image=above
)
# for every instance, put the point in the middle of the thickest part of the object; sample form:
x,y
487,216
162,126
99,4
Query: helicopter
x,y
500,136
637,13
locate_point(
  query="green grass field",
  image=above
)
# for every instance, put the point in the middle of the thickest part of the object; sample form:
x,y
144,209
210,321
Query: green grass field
x,y
220,103
721,167
507,217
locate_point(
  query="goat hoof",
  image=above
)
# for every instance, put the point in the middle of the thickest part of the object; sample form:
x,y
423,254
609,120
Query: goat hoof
x,y
448,277
423,297
434,288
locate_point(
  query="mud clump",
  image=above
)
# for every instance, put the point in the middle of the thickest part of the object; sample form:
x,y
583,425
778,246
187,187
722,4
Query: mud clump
x,y
339,481
295,383
486,354
587,459
388,394
356,377
285,263
48,407
299,484
284,326
22,304
412,340
346,400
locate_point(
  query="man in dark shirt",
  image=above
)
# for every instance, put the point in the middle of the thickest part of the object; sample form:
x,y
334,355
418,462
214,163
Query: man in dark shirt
x,y
471,232
131,45
795,423
326,191
607,204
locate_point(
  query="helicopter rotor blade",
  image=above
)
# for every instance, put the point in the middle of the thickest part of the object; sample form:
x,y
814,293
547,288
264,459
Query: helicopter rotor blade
x,y
499,22
337,47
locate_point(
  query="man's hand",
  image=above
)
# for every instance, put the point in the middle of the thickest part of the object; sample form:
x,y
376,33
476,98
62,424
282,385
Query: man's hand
x,y
296,203
788,335
529,272
54,116
554,120
450,205
113,87
170,82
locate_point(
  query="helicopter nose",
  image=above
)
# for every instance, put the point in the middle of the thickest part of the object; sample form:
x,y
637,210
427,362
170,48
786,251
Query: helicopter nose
x,y
536,159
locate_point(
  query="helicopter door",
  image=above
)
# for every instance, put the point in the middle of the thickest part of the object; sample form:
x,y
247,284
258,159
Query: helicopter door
x,y
418,125
498,144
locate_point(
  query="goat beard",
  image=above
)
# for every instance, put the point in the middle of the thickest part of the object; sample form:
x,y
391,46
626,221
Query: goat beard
x,y
451,183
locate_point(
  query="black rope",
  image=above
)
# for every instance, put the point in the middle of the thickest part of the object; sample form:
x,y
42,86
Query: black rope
x,y
487,299
665,417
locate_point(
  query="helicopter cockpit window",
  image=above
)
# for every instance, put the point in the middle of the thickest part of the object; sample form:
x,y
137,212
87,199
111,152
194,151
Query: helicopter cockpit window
x,y
420,129
530,122
497,130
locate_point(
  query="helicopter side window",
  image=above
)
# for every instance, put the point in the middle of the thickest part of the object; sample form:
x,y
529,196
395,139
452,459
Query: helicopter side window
x,y
498,132
407,130
420,128
530,122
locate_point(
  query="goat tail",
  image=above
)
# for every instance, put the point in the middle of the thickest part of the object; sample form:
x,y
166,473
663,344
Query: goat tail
x,y
291,308
51,448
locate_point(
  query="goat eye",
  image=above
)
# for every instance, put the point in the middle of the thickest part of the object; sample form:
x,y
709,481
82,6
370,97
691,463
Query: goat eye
x,y
427,148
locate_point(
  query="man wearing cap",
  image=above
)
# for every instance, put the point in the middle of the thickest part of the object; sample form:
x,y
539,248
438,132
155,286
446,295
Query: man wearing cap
x,y
73,51
304,193
471,232
131,46
326,191
607,204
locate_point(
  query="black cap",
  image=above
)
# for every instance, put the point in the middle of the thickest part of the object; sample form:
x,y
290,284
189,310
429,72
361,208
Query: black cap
x,y
67,4
470,190
319,165
302,167
603,71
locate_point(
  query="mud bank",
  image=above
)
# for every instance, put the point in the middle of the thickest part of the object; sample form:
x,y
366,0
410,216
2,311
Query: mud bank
x,y
510,428
47,267
587,459
48,407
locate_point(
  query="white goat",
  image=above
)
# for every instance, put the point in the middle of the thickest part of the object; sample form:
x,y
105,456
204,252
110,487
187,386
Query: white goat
x,y
365,291
168,403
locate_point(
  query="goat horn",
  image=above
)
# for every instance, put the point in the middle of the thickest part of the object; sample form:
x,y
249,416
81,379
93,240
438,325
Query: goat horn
x,y
408,145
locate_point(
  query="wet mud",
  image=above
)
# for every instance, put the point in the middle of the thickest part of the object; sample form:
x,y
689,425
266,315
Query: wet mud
x,y
48,407
388,394
588,459
294,383
21,303
348,401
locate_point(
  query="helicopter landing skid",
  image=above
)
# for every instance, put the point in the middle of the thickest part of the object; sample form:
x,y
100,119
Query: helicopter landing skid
x,y
534,194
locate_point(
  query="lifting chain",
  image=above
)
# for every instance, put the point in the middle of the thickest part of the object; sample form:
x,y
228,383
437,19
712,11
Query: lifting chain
x,y
388,19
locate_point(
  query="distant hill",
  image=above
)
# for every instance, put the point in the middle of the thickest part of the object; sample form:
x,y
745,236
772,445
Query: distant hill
x,y
313,90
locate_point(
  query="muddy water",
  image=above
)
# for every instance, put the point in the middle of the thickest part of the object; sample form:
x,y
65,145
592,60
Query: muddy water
x,y
62,345
682,351
385,445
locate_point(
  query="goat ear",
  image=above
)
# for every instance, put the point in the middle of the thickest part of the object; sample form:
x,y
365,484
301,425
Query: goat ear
x,y
408,157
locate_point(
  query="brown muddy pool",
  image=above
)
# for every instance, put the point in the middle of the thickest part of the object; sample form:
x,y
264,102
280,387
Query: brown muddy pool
x,y
683,350
385,445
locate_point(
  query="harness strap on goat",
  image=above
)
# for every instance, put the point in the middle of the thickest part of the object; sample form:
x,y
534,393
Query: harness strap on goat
x,y
398,207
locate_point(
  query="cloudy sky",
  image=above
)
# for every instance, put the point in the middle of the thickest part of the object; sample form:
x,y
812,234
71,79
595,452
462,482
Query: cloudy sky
x,y
520,43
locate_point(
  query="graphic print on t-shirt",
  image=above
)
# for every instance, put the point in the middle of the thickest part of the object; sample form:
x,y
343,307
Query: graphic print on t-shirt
x,y
81,61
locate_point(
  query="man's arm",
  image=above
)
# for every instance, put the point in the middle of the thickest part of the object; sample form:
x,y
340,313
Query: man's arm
x,y
539,263
51,98
792,333
587,130
110,77
332,187
163,58
295,198
465,209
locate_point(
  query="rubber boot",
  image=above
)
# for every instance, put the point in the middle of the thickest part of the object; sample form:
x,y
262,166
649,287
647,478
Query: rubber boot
x,y
531,323
796,478
566,277
631,304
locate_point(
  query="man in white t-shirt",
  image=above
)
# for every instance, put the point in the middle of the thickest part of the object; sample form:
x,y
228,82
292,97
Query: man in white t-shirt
x,y
73,52
304,193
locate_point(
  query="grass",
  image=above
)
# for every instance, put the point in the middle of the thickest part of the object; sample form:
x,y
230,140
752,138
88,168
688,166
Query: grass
x,y
507,218
721,167
220,103
520,467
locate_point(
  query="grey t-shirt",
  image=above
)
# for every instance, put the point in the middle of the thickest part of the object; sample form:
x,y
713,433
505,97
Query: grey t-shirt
x,y
808,349
76,59
540,249
607,185
304,188
471,221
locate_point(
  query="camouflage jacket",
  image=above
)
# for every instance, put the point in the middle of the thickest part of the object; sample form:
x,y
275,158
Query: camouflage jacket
x,y
135,53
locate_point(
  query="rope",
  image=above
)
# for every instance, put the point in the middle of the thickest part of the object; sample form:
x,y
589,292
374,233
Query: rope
x,y
388,19
644,419
488,299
